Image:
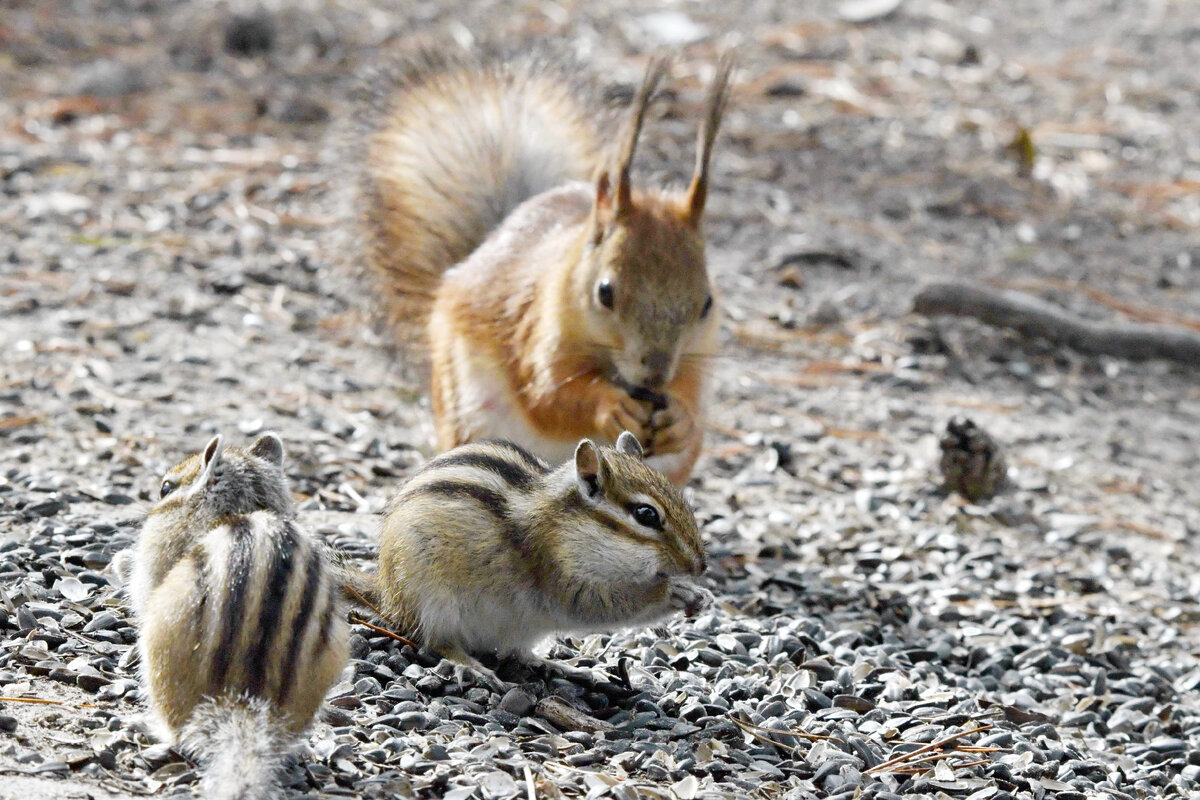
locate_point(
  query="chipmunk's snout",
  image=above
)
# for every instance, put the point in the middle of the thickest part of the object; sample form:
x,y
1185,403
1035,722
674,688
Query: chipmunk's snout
x,y
700,564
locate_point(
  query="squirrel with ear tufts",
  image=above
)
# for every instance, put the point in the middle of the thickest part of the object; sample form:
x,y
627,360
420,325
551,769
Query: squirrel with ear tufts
x,y
558,302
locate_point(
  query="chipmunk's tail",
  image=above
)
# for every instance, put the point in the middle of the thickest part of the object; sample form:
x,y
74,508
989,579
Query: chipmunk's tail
x,y
454,143
240,746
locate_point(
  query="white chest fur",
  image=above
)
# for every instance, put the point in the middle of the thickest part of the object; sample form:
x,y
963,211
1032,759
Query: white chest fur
x,y
483,396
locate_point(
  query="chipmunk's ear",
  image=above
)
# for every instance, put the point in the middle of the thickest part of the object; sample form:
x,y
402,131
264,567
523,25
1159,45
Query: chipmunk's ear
x,y
628,444
718,96
268,447
210,459
589,469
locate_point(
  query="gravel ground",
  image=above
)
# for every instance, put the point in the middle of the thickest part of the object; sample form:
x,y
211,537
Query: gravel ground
x,y
166,273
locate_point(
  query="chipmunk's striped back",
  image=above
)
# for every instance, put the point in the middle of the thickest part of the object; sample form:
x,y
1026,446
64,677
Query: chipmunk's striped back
x,y
239,620
249,610
493,473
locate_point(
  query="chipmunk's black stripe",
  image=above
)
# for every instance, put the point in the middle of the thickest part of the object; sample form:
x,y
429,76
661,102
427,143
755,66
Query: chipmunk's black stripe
x,y
202,583
512,474
241,563
575,504
312,583
279,576
533,462
326,621
176,553
492,501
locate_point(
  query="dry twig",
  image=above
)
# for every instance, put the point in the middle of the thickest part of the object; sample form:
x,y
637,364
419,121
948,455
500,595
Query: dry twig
x,y
384,631
31,700
757,732
913,755
362,600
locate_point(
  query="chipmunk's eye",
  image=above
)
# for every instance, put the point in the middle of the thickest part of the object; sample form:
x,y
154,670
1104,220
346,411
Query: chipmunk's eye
x,y
707,307
167,488
647,516
604,293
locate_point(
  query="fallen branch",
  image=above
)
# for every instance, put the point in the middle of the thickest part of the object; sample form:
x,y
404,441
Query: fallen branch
x,y
1034,317
1134,311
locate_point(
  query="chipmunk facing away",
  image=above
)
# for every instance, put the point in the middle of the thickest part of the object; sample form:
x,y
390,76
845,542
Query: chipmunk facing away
x,y
240,629
588,309
487,548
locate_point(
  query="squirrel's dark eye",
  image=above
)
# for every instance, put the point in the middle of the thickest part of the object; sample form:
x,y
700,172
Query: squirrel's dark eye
x,y
647,516
604,293
167,488
707,307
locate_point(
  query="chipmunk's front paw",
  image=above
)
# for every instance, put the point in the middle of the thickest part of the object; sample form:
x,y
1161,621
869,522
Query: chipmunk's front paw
x,y
690,598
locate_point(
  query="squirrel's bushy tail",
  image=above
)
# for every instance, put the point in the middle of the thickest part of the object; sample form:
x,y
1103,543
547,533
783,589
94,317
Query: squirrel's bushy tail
x,y
453,144
240,746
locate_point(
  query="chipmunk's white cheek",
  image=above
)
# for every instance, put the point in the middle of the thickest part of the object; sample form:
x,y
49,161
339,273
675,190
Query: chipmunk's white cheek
x,y
622,562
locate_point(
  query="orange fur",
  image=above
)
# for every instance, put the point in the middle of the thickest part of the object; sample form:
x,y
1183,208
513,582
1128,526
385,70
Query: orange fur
x,y
584,296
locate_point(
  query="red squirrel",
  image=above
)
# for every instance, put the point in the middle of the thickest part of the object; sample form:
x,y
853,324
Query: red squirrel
x,y
557,300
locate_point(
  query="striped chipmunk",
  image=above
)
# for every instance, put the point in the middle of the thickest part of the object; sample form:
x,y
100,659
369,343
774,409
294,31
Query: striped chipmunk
x,y
489,549
241,629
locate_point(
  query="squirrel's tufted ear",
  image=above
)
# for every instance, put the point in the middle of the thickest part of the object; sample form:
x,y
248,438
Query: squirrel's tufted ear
x,y
268,447
655,69
628,444
604,209
718,96
604,198
589,469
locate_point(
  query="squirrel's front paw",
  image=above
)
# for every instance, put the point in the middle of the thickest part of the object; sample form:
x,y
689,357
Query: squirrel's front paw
x,y
690,598
672,430
619,412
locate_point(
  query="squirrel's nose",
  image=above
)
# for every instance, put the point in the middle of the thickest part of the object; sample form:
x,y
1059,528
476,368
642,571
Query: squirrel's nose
x,y
656,363
656,360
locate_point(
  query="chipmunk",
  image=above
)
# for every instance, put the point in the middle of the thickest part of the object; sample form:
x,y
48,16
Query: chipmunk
x,y
489,549
557,301
241,629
